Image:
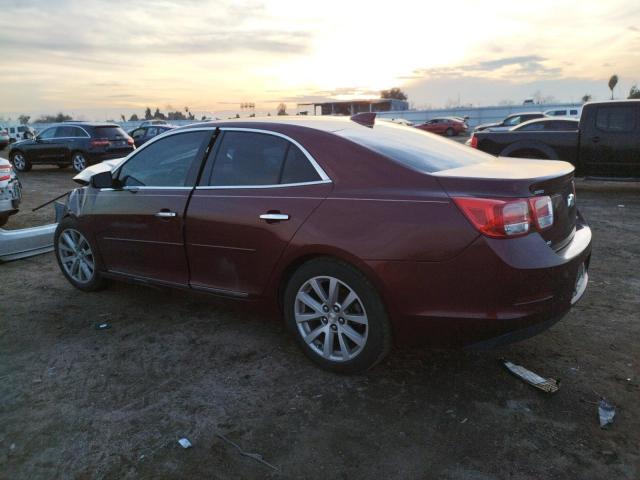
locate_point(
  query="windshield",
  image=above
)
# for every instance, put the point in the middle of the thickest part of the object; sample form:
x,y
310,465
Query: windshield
x,y
414,148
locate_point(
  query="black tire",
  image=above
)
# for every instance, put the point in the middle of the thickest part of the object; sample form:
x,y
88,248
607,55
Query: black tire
x,y
450,132
79,161
96,282
3,220
62,165
378,338
24,165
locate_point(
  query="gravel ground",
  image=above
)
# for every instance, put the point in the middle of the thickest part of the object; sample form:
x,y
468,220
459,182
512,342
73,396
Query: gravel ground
x,y
76,402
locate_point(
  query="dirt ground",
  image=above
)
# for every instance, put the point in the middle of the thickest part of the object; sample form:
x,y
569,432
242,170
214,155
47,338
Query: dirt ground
x,y
76,402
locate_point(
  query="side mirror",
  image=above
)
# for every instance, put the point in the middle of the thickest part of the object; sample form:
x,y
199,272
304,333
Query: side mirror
x,y
102,180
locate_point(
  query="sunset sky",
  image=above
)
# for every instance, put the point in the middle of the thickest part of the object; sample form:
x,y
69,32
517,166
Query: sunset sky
x,y
99,58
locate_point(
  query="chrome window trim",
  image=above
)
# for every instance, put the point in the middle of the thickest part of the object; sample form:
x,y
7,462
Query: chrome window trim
x,y
318,168
324,178
86,134
275,185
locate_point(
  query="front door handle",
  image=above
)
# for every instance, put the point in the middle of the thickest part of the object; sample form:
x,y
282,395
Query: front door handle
x,y
595,139
166,214
274,217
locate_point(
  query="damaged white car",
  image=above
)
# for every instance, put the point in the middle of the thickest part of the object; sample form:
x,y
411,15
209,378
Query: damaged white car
x,y
10,191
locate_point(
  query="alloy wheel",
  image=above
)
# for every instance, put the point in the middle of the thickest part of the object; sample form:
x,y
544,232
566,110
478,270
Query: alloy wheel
x,y
331,318
19,162
76,256
79,162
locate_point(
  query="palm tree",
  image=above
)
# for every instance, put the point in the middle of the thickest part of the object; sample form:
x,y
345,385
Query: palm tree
x,y
613,81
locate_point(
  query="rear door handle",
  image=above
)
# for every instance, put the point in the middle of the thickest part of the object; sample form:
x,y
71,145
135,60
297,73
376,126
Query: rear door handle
x,y
595,139
274,217
166,214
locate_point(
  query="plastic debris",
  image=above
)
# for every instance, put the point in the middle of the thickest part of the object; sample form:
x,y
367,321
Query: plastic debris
x,y
548,385
606,412
185,443
255,456
103,326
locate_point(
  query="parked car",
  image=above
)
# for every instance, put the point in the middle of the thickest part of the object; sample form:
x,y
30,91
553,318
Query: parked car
x,y
606,142
361,235
444,126
148,123
141,135
4,137
20,132
10,191
564,112
509,122
78,144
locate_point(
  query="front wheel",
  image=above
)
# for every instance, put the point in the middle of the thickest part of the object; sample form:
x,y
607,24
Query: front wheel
x,y
20,162
337,316
78,161
76,257
450,132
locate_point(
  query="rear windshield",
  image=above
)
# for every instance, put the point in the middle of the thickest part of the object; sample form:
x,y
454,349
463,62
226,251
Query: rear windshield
x,y
110,132
414,148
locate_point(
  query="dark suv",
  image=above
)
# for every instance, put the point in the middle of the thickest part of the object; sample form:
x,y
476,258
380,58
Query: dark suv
x,y
78,144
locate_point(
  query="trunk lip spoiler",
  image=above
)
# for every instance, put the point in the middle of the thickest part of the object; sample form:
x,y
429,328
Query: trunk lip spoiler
x,y
536,170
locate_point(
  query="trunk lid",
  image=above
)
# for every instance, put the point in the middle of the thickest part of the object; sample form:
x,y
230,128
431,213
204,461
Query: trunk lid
x,y
505,178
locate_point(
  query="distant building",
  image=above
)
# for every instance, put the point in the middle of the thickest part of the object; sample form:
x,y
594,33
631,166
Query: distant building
x,y
351,107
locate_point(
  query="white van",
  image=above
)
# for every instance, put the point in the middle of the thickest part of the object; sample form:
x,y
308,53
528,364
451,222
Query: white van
x,y
564,112
20,132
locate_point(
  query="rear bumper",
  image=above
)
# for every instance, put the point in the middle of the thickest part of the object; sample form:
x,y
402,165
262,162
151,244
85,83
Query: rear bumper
x,y
495,292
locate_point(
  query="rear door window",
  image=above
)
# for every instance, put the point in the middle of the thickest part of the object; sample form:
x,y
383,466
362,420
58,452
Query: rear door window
x,y
167,162
297,168
616,118
248,159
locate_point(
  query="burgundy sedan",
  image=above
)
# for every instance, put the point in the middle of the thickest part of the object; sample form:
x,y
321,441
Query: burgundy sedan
x,y
362,236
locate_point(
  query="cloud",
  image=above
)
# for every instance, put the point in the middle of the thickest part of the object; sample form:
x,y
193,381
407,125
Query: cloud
x,y
514,66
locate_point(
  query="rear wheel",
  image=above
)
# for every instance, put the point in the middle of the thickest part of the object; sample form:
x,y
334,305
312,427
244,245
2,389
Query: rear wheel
x,y
337,316
78,161
450,132
76,256
20,162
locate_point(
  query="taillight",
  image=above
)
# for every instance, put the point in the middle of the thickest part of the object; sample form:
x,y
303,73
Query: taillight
x,y
542,209
100,142
498,218
474,141
130,141
5,172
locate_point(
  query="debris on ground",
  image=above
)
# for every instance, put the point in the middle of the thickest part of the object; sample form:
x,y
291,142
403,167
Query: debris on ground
x,y
185,443
255,456
103,326
606,412
548,385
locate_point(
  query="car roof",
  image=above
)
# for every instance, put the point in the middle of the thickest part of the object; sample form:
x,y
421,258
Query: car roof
x,y
326,123
85,124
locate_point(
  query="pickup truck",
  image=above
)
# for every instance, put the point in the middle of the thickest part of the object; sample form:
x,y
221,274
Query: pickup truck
x,y
606,143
